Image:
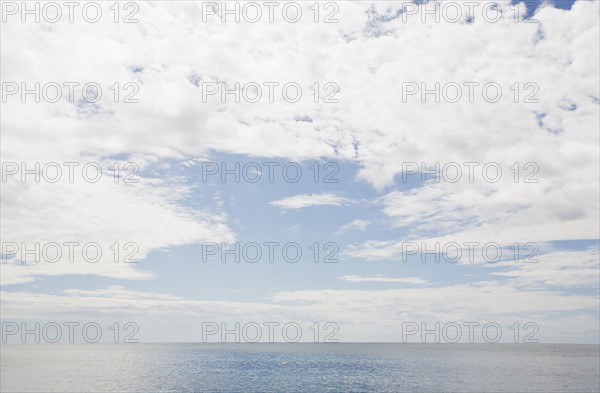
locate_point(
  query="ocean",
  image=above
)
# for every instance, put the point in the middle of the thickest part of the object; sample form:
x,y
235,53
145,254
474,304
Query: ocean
x,y
197,367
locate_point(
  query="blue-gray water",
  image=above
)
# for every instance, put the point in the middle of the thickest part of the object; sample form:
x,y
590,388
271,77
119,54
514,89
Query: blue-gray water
x,y
300,368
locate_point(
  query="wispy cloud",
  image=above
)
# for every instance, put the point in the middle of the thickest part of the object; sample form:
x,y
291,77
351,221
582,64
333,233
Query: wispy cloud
x,y
307,200
360,225
380,278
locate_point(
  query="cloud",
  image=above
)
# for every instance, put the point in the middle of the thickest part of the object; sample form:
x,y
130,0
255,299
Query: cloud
x,y
140,218
368,54
362,315
307,200
357,224
379,278
171,121
567,269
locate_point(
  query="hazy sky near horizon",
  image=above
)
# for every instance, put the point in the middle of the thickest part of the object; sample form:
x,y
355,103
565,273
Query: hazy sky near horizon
x,y
325,177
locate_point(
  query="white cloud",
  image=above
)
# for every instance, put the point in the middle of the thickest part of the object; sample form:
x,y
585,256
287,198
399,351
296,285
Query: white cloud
x,y
368,58
362,315
307,200
357,224
555,269
152,215
369,55
380,278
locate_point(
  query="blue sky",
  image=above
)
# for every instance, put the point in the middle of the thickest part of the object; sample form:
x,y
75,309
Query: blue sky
x,y
258,221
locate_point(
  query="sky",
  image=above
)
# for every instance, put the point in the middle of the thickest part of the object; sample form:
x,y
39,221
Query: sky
x,y
335,187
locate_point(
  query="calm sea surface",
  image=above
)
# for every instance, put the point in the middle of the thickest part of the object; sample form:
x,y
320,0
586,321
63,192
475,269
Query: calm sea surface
x,y
300,368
